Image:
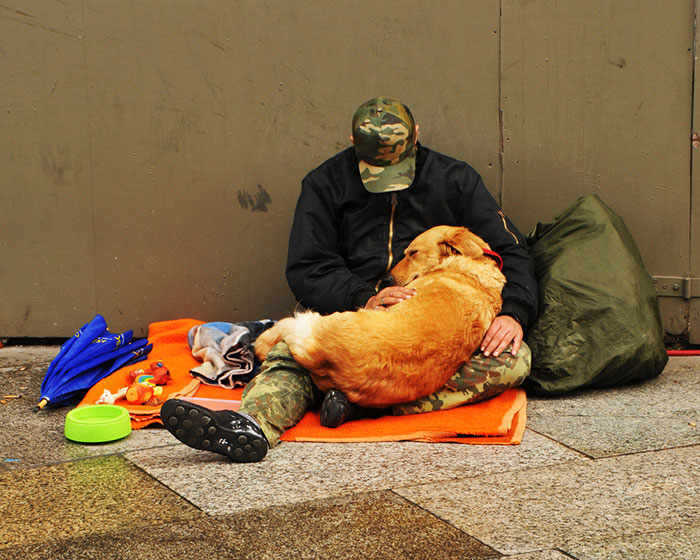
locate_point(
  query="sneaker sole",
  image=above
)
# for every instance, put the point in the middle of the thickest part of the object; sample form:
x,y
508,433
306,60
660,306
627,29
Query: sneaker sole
x,y
197,427
334,410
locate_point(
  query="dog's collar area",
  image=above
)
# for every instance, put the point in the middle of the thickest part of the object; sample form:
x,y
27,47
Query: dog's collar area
x,y
495,256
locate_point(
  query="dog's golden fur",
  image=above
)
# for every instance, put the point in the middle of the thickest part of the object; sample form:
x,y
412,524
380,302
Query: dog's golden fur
x,y
383,357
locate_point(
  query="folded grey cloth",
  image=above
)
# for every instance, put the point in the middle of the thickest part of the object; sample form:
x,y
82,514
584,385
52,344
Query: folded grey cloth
x,y
226,351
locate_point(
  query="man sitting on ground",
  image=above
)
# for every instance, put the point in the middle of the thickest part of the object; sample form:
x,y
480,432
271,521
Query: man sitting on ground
x,y
356,214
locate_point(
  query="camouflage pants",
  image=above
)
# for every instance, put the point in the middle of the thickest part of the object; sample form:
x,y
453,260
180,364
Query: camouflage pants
x,y
479,379
281,393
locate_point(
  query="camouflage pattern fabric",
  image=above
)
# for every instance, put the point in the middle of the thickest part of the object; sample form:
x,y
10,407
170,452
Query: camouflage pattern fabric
x,y
280,394
383,132
479,379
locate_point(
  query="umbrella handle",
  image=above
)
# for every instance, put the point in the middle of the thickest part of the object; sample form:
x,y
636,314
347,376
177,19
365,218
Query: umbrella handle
x,y
42,403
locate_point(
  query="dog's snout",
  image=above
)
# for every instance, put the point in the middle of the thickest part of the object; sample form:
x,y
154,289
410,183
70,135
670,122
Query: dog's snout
x,y
386,282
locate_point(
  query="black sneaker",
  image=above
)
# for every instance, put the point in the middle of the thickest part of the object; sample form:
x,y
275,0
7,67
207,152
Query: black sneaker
x,y
227,432
337,409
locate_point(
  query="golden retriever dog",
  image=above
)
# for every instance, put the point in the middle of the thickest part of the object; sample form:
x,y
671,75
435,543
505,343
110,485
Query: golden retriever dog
x,y
383,357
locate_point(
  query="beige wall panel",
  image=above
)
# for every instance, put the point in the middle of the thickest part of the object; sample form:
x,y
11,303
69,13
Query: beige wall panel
x,y
597,99
183,130
47,237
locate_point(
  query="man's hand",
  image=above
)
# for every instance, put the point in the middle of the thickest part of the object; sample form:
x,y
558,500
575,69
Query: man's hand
x,y
503,331
389,296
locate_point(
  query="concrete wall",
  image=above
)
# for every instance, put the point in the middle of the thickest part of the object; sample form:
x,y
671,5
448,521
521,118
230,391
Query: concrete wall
x,y
151,152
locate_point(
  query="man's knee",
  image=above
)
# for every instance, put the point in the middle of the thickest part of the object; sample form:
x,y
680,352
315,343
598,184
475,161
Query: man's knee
x,y
505,369
279,379
522,365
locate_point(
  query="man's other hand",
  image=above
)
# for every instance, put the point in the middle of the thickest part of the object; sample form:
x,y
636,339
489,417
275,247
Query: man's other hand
x,y
503,331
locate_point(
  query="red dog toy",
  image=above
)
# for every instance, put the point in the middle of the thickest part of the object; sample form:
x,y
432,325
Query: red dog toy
x,y
158,374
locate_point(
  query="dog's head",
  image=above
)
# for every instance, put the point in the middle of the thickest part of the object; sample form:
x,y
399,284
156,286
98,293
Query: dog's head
x,y
432,247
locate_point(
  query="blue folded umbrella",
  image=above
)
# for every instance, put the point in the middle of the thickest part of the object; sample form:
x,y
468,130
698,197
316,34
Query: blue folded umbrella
x,y
86,358
85,335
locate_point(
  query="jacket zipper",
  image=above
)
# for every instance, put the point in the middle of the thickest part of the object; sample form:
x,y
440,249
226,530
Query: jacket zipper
x,y
505,225
394,202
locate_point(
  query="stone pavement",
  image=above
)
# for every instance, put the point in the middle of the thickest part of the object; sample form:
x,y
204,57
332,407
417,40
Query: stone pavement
x,y
611,474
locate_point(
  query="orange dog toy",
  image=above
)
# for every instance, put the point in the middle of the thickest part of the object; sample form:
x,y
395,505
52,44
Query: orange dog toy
x,y
145,386
158,374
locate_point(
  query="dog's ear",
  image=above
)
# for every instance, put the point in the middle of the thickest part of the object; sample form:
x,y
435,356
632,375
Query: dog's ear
x,y
448,249
461,242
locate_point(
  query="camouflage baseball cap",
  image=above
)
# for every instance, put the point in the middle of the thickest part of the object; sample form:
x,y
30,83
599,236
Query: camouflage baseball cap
x,y
383,132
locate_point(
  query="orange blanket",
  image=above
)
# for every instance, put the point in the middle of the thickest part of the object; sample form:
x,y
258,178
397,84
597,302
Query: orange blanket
x,y
500,420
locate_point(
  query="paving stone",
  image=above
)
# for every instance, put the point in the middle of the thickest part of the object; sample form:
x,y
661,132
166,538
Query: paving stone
x,y
296,472
663,545
609,422
36,438
393,500
368,526
565,505
174,540
540,555
83,497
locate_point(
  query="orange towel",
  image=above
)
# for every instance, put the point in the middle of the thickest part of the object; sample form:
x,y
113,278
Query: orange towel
x,y
500,420
170,346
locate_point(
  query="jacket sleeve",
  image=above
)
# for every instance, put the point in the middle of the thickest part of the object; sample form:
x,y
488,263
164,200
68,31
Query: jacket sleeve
x,y
478,211
316,270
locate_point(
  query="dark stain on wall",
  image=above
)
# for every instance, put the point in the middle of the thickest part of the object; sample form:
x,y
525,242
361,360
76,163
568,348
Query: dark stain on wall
x,y
255,202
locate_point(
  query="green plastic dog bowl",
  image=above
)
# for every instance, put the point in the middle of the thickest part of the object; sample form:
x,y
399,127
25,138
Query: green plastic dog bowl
x,y
97,423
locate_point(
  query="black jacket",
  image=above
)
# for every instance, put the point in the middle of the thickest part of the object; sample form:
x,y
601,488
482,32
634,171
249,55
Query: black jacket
x,y
344,239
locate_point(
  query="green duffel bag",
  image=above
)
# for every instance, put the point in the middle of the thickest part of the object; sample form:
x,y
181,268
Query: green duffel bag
x,y
599,322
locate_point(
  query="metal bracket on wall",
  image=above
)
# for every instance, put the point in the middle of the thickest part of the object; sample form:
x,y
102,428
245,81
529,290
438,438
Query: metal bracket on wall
x,y
675,286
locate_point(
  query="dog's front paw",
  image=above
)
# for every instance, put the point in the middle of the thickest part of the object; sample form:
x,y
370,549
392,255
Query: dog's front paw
x,y
265,342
